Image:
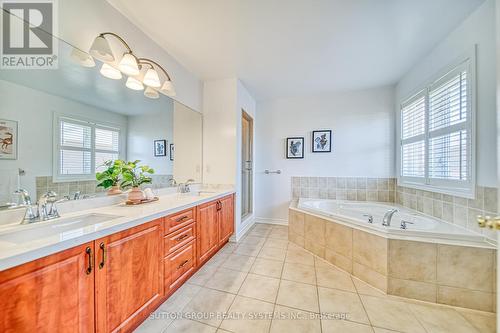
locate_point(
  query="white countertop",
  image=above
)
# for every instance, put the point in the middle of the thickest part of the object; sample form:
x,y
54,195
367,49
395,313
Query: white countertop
x,y
14,253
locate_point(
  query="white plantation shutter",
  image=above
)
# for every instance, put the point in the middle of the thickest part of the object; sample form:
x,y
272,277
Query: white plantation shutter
x,y
436,135
84,147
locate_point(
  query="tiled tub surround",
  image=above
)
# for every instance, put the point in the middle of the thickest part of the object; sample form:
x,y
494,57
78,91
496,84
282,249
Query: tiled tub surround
x,y
452,209
447,274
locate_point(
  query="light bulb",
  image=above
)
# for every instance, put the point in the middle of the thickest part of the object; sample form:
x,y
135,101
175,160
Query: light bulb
x,y
151,79
134,84
110,72
128,64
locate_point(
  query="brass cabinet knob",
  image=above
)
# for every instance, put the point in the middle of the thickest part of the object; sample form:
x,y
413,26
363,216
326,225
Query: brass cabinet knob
x,y
488,222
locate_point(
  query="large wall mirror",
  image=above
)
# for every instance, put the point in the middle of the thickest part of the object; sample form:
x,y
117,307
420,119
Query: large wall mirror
x,y
58,127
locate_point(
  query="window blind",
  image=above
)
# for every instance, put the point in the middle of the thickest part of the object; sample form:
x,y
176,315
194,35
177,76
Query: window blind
x,y
436,134
84,147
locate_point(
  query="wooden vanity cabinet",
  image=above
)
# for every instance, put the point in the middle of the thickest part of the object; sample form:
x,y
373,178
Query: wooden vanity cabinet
x,y
128,277
215,226
51,294
112,284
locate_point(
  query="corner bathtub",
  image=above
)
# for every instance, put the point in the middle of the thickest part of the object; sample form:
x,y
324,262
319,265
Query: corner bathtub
x,y
421,228
431,260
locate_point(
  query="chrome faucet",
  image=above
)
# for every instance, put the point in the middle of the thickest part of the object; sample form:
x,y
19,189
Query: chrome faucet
x,y
47,206
31,214
184,187
386,222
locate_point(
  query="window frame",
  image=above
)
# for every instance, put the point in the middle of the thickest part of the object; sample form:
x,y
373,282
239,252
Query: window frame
x,y
445,186
93,124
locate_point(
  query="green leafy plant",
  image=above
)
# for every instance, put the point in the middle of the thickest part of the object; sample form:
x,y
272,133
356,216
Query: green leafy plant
x,y
112,175
134,175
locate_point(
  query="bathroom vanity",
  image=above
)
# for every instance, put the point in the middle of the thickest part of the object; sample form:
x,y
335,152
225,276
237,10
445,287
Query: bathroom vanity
x,y
112,283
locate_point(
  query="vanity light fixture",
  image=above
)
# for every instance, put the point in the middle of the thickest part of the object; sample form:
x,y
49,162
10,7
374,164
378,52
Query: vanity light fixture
x,y
134,84
110,72
151,93
130,65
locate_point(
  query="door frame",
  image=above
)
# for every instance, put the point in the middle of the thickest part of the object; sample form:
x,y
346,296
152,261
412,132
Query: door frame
x,y
250,191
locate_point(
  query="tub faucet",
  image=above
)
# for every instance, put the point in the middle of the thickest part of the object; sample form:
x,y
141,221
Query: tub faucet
x,y
386,222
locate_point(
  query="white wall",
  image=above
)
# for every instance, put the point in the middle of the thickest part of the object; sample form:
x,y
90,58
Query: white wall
x,y
81,21
223,102
34,111
363,142
143,130
478,28
188,125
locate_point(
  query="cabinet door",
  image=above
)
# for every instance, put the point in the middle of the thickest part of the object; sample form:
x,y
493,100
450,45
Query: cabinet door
x,y
207,235
226,219
129,277
51,294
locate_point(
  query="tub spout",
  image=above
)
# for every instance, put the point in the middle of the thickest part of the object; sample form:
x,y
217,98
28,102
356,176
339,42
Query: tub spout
x,y
386,222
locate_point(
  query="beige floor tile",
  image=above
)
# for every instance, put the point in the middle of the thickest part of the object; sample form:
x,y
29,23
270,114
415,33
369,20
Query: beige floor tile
x,y
277,243
226,280
267,267
239,262
253,240
272,253
294,321
202,276
343,326
383,330
189,326
209,306
180,298
364,288
299,273
248,315
299,256
248,249
334,301
228,248
439,319
260,287
259,233
262,226
278,234
484,322
329,276
283,228
386,313
217,260
156,323
298,295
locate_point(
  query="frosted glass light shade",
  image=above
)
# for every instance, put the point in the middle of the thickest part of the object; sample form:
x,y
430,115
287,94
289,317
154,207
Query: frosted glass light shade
x,y
151,93
134,84
110,72
167,88
82,58
101,50
152,79
128,65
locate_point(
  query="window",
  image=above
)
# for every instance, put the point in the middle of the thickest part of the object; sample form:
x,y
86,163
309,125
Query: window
x,y
82,148
437,135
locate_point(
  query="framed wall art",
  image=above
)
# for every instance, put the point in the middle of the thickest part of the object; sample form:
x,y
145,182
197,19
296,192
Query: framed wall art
x,y
8,139
322,141
295,147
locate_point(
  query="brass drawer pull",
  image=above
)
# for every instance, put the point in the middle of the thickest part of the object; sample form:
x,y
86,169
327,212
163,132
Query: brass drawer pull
x,y
88,251
488,222
180,219
182,237
103,249
183,264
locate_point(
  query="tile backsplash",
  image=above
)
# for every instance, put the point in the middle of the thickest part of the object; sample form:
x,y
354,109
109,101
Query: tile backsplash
x,y
452,209
342,188
45,183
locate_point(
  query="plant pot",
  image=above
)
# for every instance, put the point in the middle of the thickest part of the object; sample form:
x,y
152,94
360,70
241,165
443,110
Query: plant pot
x,y
135,194
114,190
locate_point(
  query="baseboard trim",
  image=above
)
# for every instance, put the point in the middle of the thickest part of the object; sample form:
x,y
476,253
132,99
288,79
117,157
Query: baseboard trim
x,y
270,221
246,225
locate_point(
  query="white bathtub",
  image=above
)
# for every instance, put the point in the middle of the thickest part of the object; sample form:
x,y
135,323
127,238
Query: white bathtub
x,y
422,228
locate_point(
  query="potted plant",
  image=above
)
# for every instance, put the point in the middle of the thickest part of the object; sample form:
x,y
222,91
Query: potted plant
x,y
135,175
110,178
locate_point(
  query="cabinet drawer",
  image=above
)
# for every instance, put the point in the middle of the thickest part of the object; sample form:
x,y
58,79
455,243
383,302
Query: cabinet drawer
x,y
179,220
179,238
179,265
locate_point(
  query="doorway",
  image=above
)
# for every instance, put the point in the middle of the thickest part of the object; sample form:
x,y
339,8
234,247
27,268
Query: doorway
x,y
247,165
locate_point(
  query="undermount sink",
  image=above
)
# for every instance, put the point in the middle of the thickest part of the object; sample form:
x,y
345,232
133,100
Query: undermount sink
x,y
65,228
200,193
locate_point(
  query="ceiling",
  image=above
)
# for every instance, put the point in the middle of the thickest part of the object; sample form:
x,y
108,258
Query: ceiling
x,y
284,48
